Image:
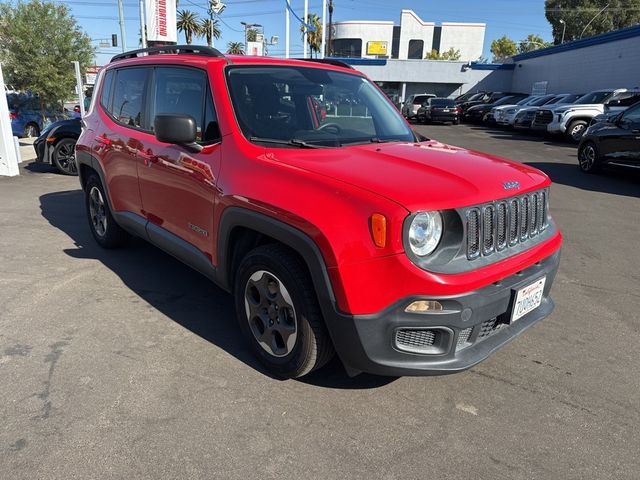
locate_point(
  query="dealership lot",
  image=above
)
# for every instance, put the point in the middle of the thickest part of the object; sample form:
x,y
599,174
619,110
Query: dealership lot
x,y
128,364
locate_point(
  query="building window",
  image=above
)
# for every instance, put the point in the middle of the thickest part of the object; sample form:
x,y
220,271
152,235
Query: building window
x,y
347,47
416,47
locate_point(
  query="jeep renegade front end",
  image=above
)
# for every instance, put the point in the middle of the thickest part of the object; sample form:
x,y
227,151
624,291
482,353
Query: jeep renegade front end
x,y
298,187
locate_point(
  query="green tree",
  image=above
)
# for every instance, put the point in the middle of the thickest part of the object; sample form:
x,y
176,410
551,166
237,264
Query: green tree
x,y
314,39
207,27
451,54
503,48
188,23
235,48
532,42
252,34
584,18
38,42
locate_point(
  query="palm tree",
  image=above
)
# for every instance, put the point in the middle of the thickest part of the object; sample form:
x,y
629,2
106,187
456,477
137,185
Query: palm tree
x,y
252,34
189,24
207,27
314,39
235,48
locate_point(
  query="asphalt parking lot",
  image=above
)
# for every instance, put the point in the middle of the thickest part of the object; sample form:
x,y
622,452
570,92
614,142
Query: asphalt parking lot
x,y
127,364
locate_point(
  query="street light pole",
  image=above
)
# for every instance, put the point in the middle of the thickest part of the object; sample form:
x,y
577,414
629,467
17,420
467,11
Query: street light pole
x,y
122,30
143,30
324,28
306,20
286,33
564,28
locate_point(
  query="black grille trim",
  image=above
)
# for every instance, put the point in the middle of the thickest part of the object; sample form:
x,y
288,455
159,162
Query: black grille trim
x,y
503,224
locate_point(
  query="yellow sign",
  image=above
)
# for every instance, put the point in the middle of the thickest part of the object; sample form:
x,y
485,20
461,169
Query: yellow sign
x,y
376,48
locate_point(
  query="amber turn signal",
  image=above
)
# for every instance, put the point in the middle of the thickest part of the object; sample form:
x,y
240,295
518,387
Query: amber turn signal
x,y
378,226
51,139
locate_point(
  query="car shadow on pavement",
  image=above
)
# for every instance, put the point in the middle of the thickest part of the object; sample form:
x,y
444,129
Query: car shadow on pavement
x,y
613,181
175,290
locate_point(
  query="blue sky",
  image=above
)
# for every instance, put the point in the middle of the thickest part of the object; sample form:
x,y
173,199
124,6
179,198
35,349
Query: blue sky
x,y
514,18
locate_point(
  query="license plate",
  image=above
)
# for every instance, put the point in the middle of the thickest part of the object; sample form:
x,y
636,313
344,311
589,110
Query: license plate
x,y
445,110
528,299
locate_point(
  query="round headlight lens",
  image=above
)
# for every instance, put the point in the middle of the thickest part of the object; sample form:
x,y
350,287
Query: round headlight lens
x,y
425,233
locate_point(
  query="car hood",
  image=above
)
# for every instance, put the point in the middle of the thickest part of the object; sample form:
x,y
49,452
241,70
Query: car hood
x,y
588,106
481,106
426,175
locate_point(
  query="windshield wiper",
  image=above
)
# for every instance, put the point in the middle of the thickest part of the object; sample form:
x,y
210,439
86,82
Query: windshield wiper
x,y
294,142
361,141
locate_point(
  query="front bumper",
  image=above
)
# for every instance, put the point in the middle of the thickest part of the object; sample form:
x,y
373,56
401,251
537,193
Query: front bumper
x,y
556,127
368,343
42,150
474,115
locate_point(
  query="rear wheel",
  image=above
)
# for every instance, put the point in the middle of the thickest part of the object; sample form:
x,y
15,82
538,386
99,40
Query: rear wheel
x,y
104,228
64,156
576,130
588,158
278,312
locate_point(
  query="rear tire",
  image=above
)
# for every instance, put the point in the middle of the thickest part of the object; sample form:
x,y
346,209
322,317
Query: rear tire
x,y
31,130
103,227
455,122
64,157
278,312
588,158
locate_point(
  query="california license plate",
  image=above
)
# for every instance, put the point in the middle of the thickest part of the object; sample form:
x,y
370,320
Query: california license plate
x,y
445,109
528,299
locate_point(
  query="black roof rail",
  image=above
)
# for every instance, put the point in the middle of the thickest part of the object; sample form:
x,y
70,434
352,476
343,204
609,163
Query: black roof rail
x,y
329,61
175,49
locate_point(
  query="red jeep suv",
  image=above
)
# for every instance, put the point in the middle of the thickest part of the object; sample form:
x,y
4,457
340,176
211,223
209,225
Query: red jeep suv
x,y
298,187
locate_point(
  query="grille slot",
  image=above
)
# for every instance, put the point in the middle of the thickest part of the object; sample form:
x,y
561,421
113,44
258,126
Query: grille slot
x,y
415,338
488,229
473,233
544,117
487,328
500,225
463,338
431,341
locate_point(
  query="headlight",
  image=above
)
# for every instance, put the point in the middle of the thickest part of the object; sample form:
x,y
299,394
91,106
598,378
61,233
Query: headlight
x,y
425,233
510,111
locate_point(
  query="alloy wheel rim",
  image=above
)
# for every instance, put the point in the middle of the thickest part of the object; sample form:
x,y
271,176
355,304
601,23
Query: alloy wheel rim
x,y
97,211
587,157
576,133
270,313
66,158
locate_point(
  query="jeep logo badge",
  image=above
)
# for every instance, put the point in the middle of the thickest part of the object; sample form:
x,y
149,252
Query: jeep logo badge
x,y
511,185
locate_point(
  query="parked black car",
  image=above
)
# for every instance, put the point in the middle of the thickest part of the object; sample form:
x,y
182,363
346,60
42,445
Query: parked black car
x,y
476,113
56,145
485,98
613,142
439,110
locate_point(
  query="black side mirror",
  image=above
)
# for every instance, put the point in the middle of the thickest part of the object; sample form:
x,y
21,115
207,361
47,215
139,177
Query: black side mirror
x,y
177,128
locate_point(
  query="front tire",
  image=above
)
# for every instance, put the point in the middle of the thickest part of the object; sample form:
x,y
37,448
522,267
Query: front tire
x,y
576,130
104,228
278,312
588,158
64,157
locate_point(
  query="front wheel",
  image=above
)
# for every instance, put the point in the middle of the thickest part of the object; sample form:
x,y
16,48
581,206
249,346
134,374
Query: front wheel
x,y
588,158
64,156
278,312
576,130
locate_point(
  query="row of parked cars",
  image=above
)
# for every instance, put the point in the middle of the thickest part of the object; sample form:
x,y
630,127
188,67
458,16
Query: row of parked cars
x,y
427,107
605,123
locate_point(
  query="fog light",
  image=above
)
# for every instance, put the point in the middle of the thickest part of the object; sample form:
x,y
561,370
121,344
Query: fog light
x,y
424,306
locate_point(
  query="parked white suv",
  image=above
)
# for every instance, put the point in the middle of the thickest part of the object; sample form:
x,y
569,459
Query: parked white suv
x,y
572,120
413,103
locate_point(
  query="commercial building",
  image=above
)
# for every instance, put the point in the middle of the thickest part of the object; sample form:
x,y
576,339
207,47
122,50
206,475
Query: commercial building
x,y
413,39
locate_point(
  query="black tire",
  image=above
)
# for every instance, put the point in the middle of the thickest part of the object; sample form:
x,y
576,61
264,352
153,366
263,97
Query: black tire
x,y
31,130
103,227
589,158
576,130
294,337
64,157
455,122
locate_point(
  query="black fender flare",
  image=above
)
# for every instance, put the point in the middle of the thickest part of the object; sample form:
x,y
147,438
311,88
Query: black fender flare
x,y
85,158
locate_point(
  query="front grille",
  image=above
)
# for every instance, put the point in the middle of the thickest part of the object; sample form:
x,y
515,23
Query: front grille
x,y
415,339
544,117
463,338
488,327
500,225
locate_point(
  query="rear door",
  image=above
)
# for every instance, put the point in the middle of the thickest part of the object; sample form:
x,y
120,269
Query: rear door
x,y
624,146
178,187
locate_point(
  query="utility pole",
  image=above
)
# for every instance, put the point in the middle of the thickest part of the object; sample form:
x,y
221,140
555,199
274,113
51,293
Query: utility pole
x,y
330,32
286,33
143,30
122,31
79,87
306,20
324,28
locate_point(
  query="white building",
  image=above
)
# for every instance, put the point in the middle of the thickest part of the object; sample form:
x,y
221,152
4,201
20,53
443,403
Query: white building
x,y
412,39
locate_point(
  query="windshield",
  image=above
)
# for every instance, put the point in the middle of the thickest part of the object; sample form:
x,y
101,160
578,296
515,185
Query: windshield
x,y
593,97
477,96
505,101
420,99
442,102
306,106
526,101
542,100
